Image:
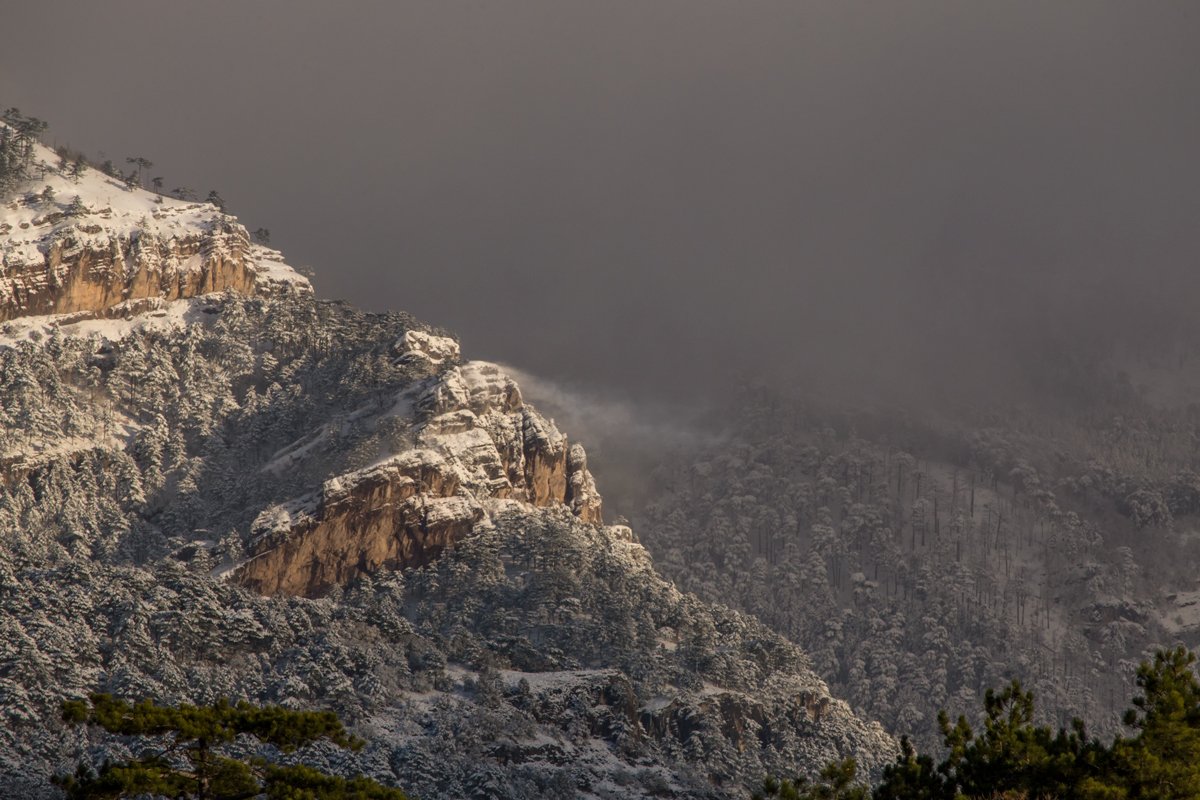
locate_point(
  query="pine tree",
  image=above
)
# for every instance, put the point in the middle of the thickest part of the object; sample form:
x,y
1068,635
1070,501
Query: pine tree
x,y
76,208
188,758
838,780
142,165
1163,760
913,777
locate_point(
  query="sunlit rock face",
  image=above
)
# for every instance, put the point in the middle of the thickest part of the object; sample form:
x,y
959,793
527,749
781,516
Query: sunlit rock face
x,y
401,512
475,442
84,270
91,246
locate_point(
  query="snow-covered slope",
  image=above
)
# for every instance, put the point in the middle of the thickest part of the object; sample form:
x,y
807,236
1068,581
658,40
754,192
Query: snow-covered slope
x,y
90,246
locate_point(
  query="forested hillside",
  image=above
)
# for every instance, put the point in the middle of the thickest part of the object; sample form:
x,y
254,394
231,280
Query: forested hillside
x,y
542,655
1011,755
920,557
214,485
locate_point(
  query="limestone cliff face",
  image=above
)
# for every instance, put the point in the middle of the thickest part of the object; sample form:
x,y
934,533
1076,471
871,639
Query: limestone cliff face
x,y
83,272
476,442
402,512
84,245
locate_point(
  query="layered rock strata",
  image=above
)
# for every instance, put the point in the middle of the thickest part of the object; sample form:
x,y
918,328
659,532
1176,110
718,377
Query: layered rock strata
x,y
476,441
82,272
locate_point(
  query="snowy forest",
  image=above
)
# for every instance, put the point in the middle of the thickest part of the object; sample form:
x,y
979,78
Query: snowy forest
x,y
542,655
913,567
814,417
919,563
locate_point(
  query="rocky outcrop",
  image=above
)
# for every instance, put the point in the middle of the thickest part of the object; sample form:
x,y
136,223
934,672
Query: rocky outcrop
x,y
581,494
476,441
84,245
82,272
399,513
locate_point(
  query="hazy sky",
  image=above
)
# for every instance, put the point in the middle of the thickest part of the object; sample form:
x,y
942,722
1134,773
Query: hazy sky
x,y
659,195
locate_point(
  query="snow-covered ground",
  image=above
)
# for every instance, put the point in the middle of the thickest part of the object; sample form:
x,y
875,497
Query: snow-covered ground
x,y
28,220
152,314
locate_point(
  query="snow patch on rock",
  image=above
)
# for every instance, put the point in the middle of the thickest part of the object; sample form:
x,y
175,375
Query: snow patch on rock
x,y
418,345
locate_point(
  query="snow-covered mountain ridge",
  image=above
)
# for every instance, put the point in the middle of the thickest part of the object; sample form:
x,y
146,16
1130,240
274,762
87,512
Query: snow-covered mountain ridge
x,y
115,251
252,493
90,246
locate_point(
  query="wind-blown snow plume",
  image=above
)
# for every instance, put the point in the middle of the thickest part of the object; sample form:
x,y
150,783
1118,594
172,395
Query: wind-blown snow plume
x,y
624,438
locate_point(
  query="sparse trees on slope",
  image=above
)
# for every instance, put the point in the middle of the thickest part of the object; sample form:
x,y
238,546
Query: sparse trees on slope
x,y
18,136
142,165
